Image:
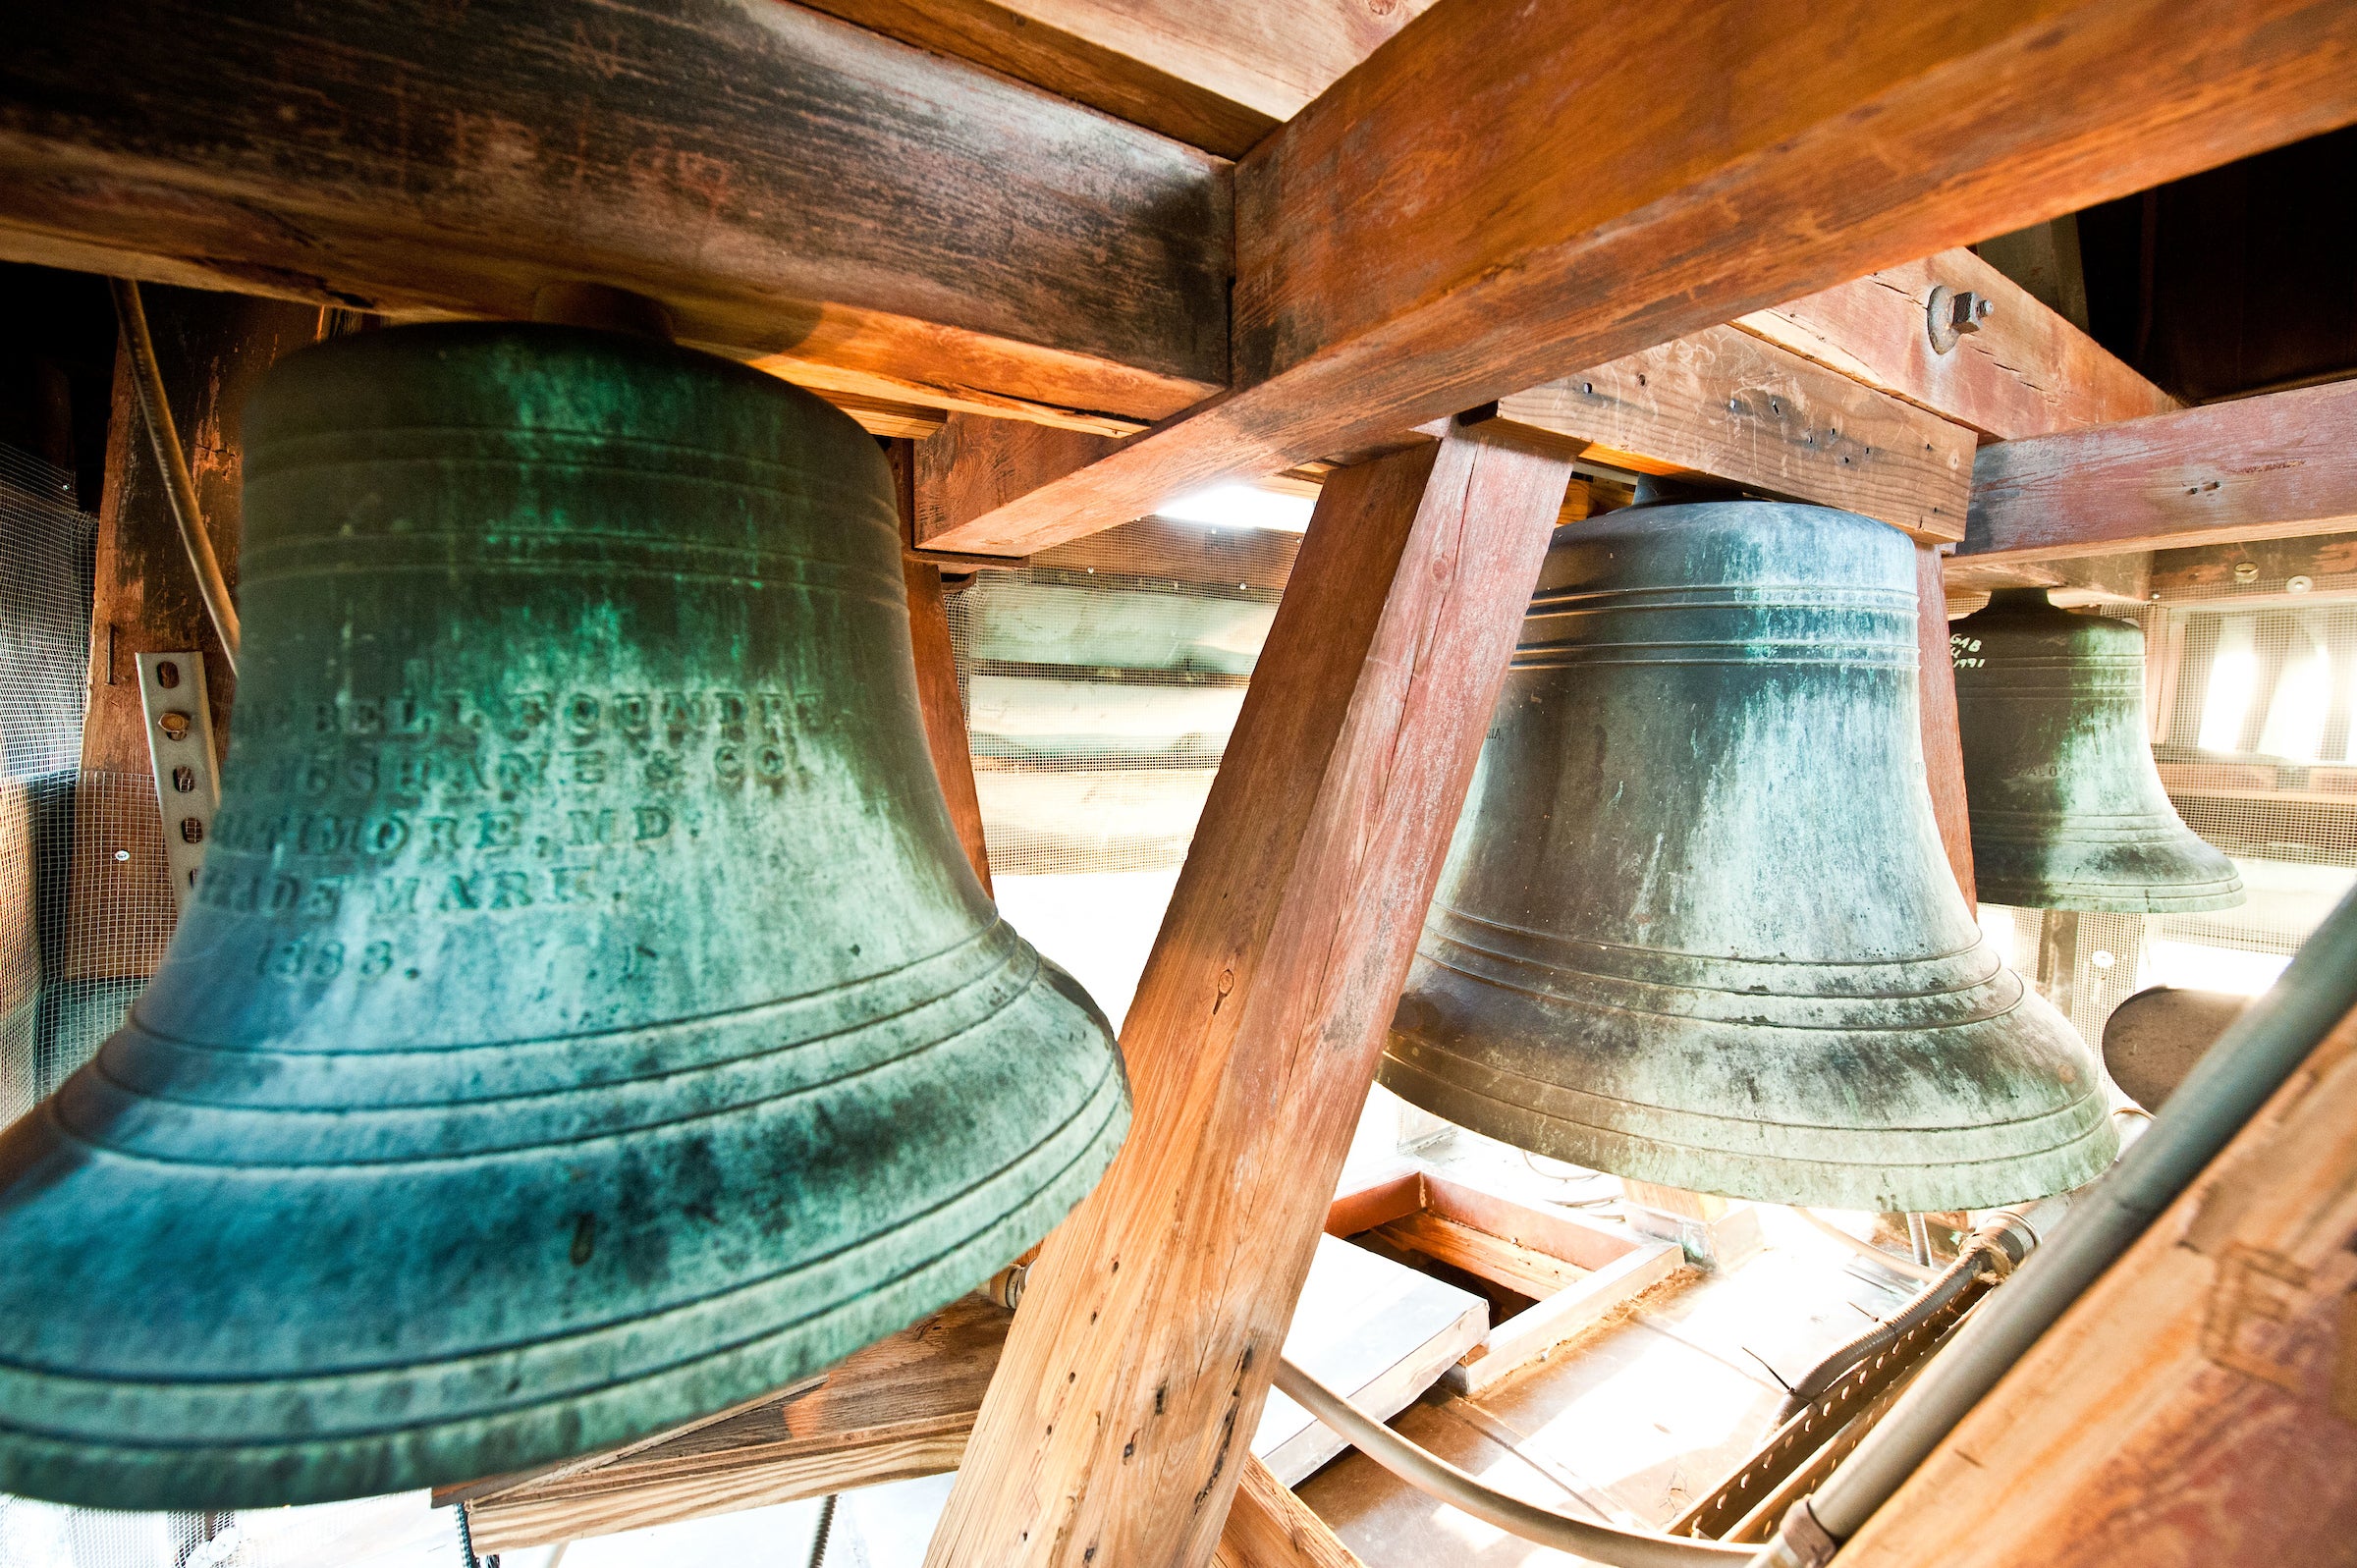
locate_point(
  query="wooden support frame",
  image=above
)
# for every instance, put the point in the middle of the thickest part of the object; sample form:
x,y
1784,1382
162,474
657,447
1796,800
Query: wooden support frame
x,y
1475,207
2199,1402
1943,734
1143,1350
2277,465
879,219
1723,405
1514,1245
2026,372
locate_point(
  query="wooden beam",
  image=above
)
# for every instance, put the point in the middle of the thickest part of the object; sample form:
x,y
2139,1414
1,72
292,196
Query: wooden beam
x,y
1477,207
2264,574
2199,1403
1935,708
785,184
2268,467
1721,405
936,657
2026,372
1268,1526
1148,1332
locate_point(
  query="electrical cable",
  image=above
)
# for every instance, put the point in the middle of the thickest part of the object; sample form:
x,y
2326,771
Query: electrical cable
x,y
1429,1474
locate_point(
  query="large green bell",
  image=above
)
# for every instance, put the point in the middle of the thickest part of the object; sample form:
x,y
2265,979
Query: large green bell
x,y
2067,809
1696,926
586,1020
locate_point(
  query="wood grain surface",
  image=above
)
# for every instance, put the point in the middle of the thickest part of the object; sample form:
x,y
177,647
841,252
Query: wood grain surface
x,y
1142,1354
1719,403
1936,710
1479,206
2026,372
1268,1526
785,184
2197,1407
2273,467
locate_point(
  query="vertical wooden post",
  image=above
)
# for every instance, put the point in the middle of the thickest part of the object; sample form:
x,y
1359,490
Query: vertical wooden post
x,y
1942,741
1122,1410
945,714
937,671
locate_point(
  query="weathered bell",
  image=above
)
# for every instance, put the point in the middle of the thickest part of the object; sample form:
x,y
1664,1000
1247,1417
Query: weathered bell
x,y
586,1020
2067,809
1696,926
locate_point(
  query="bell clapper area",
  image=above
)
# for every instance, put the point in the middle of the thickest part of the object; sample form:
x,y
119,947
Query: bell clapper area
x,y
1035,784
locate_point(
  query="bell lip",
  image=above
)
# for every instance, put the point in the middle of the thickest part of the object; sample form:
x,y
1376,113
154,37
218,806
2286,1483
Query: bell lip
x,y
1023,1199
1773,1178
125,1475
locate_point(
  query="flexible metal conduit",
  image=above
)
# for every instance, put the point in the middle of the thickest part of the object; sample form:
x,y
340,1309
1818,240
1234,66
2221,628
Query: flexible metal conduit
x,y
180,487
1427,1473
2250,1062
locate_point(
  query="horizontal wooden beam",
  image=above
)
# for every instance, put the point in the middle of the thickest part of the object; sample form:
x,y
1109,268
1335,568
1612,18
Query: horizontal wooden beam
x,y
1268,1526
2260,574
1218,75
2269,467
785,184
1477,208
2025,372
1723,405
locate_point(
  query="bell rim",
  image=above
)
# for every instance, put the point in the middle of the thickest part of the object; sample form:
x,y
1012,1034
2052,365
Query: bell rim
x,y
116,1475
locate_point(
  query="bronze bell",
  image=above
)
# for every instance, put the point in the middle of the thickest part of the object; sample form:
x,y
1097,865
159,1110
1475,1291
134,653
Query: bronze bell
x,y
1696,926
586,1020
2067,809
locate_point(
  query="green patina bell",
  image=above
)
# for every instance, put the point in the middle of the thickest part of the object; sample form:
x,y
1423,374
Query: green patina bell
x,y
586,1020
1696,926
2067,809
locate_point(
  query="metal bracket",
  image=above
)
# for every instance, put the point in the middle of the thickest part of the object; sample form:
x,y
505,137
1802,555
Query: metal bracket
x,y
1950,313
179,748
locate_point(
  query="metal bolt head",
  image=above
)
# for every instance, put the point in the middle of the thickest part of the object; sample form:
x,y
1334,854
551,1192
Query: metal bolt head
x,y
2246,572
174,724
2299,585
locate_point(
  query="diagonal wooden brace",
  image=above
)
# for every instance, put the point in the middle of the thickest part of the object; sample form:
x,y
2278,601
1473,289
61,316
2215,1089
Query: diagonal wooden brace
x,y
1122,1410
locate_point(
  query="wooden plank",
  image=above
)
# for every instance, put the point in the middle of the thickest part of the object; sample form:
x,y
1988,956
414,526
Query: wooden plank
x,y
2026,372
2199,1403
2269,467
1376,1331
1016,40
2260,573
1147,1333
1723,405
1268,1526
1936,711
899,1408
784,183
1530,1334
1477,207
1510,1263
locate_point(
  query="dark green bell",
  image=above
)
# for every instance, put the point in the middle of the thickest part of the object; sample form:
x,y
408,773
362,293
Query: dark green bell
x,y
586,1020
1696,926
2067,809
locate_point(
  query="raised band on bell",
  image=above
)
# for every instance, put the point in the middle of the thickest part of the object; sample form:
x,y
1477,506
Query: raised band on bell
x,y
1663,948
588,1021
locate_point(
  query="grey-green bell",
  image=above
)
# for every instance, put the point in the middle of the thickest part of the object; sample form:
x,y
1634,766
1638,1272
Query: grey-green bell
x,y
2067,809
586,1020
1696,926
